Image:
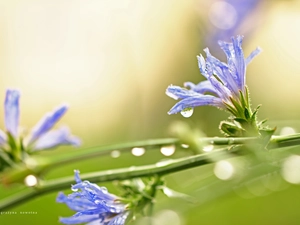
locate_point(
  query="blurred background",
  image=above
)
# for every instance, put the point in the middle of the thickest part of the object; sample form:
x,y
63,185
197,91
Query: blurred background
x,y
112,61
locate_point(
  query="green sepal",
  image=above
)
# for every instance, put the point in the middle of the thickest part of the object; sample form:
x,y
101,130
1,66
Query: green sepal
x,y
244,101
247,114
230,108
238,107
231,129
15,150
253,116
266,135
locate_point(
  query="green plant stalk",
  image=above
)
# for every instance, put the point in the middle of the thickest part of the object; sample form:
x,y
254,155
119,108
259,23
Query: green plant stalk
x,y
160,169
141,171
73,156
42,164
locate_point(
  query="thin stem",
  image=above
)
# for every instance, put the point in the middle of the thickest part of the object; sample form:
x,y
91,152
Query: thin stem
x,y
87,153
161,168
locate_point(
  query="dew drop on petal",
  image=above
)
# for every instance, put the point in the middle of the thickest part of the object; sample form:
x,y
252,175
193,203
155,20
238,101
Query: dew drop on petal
x,y
168,150
138,151
74,189
187,112
30,180
104,190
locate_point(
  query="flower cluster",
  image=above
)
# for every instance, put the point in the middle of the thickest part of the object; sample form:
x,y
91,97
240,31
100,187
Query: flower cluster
x,y
224,87
93,205
225,84
12,143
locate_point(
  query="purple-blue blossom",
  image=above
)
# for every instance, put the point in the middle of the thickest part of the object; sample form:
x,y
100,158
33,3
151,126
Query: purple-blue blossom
x,y
93,205
225,83
41,137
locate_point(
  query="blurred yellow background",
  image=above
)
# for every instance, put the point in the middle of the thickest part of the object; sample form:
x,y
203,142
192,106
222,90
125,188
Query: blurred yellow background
x,y
112,61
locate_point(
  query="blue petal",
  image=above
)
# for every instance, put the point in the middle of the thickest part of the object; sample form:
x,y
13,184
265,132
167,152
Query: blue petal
x,y
202,87
3,138
252,55
223,92
47,122
177,92
119,220
202,65
55,138
230,54
12,111
90,189
239,60
76,204
222,71
77,177
199,100
78,218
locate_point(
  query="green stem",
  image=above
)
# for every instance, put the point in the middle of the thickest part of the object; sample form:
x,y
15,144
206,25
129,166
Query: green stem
x,y
160,169
73,156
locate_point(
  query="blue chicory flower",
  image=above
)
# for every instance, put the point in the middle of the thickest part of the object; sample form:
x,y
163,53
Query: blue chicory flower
x,y
225,82
41,137
93,205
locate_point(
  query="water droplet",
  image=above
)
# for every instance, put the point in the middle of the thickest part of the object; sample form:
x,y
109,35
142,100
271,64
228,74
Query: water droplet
x,y
138,151
208,148
185,145
187,112
115,154
30,181
168,150
74,189
104,190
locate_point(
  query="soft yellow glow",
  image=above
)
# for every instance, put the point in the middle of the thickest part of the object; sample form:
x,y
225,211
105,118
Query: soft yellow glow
x,y
115,154
291,169
287,130
224,170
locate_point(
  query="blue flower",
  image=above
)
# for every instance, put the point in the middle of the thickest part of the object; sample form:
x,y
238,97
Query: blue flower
x,y
41,137
93,205
224,86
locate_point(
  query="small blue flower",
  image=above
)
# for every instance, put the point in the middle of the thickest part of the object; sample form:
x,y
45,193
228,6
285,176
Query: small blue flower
x,y
41,137
93,205
224,83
